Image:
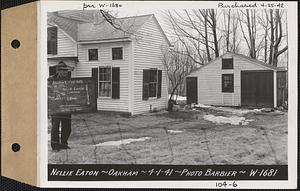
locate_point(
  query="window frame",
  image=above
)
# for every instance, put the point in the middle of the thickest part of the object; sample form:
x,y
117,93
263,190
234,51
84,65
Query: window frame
x,y
224,89
227,68
88,54
112,55
155,82
146,84
110,93
111,83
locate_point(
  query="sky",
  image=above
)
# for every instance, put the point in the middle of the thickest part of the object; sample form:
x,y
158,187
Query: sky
x,y
139,8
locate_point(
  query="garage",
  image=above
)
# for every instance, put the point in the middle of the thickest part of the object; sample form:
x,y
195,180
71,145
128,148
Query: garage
x,y
237,80
257,88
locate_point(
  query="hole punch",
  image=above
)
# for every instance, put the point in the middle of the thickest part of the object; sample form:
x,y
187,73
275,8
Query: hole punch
x,y
15,44
15,147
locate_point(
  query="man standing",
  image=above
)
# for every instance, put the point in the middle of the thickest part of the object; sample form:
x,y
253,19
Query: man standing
x,y
60,140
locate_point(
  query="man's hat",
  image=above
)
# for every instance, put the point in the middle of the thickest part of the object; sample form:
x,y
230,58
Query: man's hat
x,y
63,66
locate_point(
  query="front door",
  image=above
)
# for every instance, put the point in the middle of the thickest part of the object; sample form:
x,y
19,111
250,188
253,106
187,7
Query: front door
x,y
191,90
257,88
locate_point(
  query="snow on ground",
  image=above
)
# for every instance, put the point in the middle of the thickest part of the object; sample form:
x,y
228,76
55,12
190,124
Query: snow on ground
x,y
174,131
233,120
201,105
179,98
236,111
120,142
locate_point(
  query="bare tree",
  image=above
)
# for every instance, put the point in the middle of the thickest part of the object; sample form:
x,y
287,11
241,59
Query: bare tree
x,y
230,31
247,21
197,31
227,17
276,33
263,21
274,37
213,24
178,65
127,26
235,38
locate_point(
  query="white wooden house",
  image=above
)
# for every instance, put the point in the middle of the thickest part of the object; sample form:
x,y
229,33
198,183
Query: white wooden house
x,y
237,80
127,64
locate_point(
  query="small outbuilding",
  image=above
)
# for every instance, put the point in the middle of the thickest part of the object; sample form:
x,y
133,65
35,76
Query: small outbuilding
x,y
237,80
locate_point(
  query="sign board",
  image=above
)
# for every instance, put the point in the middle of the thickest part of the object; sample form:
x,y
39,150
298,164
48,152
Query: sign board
x,y
71,95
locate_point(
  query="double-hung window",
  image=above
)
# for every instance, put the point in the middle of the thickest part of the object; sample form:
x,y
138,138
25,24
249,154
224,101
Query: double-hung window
x,y
108,81
105,82
152,83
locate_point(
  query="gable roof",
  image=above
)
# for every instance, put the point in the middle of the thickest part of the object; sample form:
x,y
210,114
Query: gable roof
x,y
105,31
89,25
162,31
255,61
81,15
252,60
69,26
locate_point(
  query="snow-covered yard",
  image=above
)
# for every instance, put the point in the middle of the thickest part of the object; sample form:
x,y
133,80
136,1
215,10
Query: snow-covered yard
x,y
233,120
205,135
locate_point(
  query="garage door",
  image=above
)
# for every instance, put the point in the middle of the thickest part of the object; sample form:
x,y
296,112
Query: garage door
x,y
257,88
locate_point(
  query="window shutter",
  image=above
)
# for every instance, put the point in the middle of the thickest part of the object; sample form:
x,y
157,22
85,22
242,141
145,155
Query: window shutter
x,y
115,83
146,79
95,77
159,74
55,40
52,40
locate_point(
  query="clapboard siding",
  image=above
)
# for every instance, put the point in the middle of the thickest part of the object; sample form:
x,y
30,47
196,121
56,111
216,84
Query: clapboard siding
x,y
66,47
148,53
84,69
210,81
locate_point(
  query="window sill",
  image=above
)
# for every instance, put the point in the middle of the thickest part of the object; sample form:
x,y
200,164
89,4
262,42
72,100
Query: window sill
x,y
104,98
119,60
107,98
52,55
151,98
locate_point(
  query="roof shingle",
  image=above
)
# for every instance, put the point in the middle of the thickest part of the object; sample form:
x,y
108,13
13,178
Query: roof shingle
x,y
90,25
105,31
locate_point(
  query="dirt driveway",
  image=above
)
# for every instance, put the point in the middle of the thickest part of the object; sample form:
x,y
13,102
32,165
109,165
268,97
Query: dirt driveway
x,y
191,137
